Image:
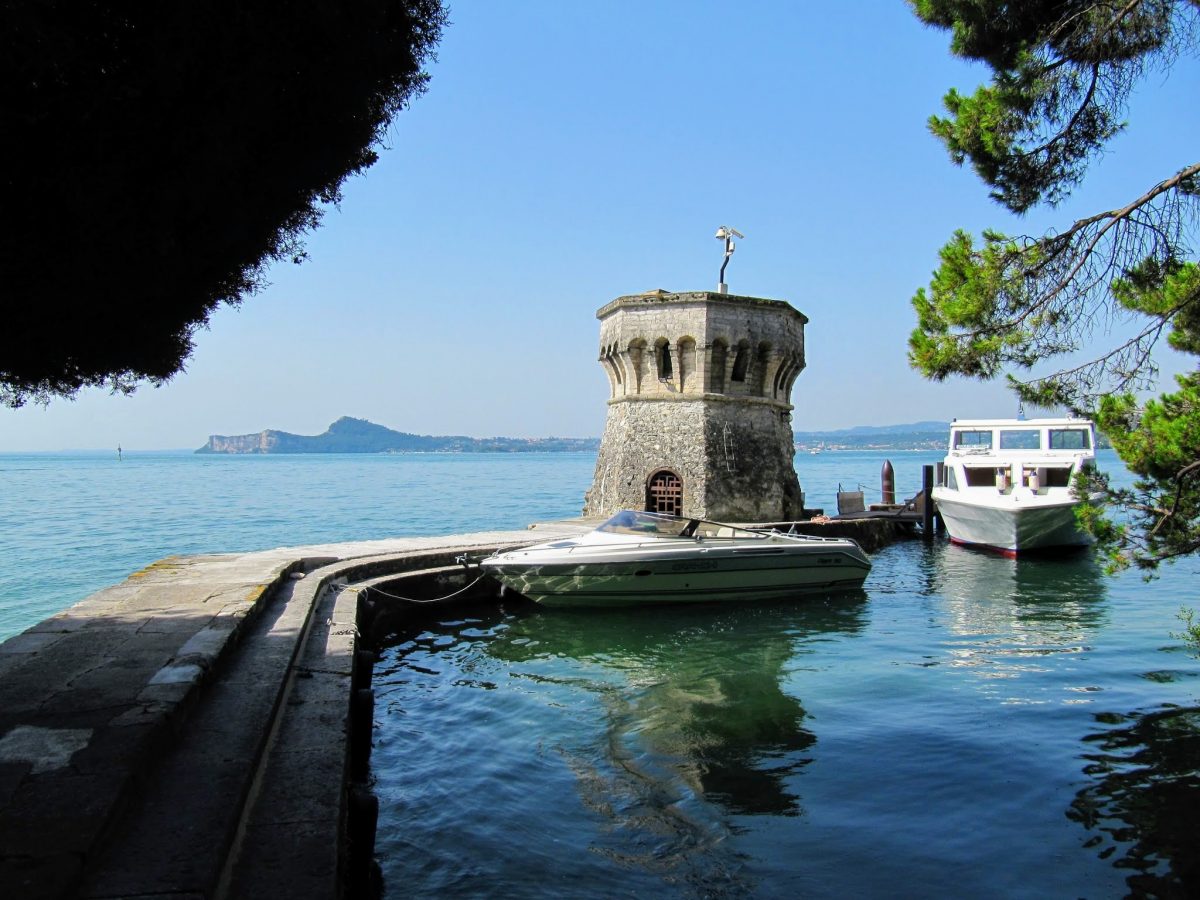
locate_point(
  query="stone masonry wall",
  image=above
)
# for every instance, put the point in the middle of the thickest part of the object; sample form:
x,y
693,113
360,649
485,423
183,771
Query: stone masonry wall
x,y
752,453
703,335
735,459
641,438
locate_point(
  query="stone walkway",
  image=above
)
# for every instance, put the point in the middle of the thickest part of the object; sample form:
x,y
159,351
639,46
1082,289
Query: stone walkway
x,y
93,698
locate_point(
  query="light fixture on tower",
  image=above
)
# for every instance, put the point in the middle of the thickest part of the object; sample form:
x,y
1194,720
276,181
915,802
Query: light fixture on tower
x,y
728,234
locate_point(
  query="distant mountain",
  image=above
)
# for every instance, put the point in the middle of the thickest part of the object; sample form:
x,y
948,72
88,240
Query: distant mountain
x,y
912,428
914,436
927,435
348,435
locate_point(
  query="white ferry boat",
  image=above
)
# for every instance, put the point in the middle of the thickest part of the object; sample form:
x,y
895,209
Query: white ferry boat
x,y
1006,483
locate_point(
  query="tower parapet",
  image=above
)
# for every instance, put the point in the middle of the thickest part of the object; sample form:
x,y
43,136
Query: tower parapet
x,y
699,413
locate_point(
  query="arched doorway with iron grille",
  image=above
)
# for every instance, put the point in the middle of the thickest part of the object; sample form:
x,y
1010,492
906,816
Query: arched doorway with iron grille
x,y
664,493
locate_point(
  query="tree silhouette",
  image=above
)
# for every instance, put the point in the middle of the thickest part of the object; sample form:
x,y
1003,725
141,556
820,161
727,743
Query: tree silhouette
x,y
157,157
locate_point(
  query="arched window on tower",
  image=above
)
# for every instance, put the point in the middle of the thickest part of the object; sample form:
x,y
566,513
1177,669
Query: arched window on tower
x,y
662,355
761,359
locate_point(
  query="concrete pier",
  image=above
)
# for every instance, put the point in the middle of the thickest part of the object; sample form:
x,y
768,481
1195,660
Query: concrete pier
x,y
184,732
202,729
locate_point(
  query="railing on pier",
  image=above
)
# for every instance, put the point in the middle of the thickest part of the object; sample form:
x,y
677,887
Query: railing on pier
x,y
920,509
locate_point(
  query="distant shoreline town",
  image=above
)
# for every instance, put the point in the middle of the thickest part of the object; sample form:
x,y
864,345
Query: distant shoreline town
x,y
349,435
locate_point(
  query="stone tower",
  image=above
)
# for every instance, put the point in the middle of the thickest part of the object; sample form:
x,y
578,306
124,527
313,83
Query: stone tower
x,y
699,417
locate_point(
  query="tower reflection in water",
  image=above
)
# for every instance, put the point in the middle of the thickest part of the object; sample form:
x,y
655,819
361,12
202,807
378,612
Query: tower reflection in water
x,y
696,711
632,741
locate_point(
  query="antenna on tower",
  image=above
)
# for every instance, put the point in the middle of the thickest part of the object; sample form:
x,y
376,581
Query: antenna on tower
x,y
728,234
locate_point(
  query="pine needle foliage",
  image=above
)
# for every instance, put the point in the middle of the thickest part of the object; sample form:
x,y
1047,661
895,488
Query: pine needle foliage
x,y
1012,305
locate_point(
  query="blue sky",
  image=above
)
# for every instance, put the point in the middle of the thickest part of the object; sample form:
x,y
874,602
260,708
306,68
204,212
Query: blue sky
x,y
568,153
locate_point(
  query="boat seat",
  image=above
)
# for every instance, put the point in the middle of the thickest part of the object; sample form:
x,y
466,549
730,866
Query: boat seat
x,y
850,502
725,532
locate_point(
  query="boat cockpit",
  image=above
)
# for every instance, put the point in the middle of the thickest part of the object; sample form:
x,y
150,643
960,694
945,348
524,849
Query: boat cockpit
x,y
653,524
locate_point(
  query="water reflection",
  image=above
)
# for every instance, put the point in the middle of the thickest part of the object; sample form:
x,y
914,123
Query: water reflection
x,y
1145,802
700,700
630,744
1044,597
1008,618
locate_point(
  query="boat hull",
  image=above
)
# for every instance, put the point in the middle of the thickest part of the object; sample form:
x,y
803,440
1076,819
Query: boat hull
x,y
1011,529
766,573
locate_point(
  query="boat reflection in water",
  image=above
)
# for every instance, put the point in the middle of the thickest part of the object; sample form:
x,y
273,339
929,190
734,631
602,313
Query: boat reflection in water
x,y
1014,620
628,741
1007,617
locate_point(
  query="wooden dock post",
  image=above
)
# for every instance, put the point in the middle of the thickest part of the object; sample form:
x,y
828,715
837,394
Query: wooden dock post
x,y
927,506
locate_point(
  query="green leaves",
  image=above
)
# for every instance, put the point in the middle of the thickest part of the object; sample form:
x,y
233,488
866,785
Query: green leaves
x,y
1167,290
977,315
1061,75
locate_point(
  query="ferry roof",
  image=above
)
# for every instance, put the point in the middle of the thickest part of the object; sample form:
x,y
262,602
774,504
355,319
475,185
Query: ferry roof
x,y
1016,423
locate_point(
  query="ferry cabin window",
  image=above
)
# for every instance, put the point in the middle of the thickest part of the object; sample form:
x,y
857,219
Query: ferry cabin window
x,y
1020,439
980,476
1056,476
973,440
1070,439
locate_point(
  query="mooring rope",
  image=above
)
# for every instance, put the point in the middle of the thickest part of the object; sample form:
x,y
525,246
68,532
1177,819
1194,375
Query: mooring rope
x,y
482,575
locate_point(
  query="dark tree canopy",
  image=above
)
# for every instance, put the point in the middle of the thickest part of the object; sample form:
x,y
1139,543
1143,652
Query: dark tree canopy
x,y
157,156
1017,305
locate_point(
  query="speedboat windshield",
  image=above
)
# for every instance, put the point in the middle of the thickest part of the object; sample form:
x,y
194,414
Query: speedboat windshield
x,y
650,524
627,521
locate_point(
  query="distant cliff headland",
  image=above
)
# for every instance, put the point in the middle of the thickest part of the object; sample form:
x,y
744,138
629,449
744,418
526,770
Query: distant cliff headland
x,y
348,435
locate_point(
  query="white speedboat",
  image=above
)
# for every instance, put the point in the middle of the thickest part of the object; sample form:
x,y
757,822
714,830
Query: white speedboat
x,y
644,557
652,557
1006,483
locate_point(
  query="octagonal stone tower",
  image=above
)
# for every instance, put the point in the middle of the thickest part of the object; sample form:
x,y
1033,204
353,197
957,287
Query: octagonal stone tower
x,y
699,417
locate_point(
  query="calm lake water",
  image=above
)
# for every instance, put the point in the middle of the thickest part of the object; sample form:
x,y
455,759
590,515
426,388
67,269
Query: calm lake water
x,y
967,725
72,524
